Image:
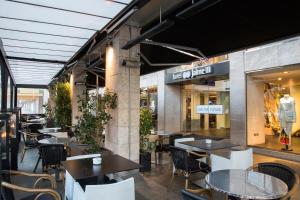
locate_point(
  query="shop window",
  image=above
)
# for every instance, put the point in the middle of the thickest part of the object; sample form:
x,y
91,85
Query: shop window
x,y
273,109
205,108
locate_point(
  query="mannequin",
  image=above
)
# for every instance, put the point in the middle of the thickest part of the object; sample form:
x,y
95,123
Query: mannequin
x,y
287,115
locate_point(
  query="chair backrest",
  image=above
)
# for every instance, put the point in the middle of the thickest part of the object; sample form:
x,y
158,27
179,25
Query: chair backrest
x,y
52,154
44,136
173,137
121,190
84,156
177,143
283,172
238,160
241,159
179,157
191,196
35,127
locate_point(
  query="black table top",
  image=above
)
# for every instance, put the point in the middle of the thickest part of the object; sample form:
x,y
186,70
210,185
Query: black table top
x,y
84,168
214,145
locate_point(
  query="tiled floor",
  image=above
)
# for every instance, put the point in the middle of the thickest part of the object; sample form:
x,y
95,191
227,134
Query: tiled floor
x,y
149,186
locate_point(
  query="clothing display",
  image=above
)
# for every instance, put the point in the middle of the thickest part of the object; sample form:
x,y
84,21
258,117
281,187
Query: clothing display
x,y
287,114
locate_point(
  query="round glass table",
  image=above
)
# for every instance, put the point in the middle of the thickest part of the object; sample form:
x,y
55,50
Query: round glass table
x,y
246,184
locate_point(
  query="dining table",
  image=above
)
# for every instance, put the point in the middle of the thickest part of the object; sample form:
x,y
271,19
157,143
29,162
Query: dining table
x,y
54,132
245,184
85,172
209,145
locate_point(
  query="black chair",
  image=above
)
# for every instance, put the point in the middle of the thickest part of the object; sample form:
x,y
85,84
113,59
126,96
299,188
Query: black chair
x,y
161,147
187,162
186,195
33,128
52,155
30,142
33,192
40,137
282,172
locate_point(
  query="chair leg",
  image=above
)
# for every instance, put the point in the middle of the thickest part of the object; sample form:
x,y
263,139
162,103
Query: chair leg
x,y
186,176
155,157
37,163
23,154
172,180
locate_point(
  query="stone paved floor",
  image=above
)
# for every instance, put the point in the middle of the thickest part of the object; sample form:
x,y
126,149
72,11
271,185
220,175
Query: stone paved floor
x,y
149,186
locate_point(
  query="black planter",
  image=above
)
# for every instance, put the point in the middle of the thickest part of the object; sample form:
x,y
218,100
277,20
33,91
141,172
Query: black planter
x,y
145,162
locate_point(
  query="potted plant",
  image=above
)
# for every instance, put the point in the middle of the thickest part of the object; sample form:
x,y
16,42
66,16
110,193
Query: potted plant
x,y
63,110
146,146
95,114
49,115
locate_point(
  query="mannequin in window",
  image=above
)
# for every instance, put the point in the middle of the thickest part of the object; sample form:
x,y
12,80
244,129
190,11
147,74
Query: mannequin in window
x,y
287,115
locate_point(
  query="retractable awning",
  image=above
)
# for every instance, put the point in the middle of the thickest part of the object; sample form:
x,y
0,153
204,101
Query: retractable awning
x,y
39,37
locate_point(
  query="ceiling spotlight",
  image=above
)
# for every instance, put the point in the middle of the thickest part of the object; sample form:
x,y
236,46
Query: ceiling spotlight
x,y
279,79
285,72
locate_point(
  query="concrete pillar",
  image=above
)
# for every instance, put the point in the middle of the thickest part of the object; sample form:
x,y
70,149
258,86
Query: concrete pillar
x,y
255,112
78,88
169,105
237,98
122,133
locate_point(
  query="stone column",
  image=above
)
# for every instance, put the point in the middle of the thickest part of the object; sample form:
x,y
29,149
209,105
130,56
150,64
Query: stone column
x,y
122,133
78,88
237,98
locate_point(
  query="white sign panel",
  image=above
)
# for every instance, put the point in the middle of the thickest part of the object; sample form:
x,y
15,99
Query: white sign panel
x,y
210,109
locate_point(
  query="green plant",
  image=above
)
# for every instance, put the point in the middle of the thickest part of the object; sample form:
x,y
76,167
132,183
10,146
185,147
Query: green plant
x,y
63,110
95,114
49,115
145,131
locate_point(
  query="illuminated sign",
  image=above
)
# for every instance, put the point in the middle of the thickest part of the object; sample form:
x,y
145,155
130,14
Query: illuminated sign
x,y
188,74
210,109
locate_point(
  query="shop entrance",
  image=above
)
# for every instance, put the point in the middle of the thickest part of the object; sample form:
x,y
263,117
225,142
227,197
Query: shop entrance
x,y
197,99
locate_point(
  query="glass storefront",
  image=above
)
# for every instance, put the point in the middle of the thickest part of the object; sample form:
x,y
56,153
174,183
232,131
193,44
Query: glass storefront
x,y
205,108
273,109
32,100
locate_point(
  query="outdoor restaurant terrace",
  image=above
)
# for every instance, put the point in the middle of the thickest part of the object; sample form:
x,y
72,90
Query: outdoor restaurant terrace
x,y
149,99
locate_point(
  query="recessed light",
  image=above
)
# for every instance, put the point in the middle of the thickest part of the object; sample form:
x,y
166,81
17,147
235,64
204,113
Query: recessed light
x,y
285,72
279,79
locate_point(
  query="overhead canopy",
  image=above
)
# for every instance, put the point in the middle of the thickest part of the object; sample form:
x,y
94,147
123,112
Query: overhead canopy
x,y
39,37
221,26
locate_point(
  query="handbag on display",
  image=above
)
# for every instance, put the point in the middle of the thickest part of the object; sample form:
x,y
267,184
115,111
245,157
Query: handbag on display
x,y
284,139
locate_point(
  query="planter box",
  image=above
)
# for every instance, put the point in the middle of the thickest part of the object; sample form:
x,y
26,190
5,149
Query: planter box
x,y
145,162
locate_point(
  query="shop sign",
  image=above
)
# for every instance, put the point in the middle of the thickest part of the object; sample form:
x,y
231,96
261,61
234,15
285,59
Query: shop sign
x,y
210,109
198,71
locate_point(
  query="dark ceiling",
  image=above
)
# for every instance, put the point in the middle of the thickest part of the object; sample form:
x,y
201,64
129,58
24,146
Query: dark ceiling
x,y
227,26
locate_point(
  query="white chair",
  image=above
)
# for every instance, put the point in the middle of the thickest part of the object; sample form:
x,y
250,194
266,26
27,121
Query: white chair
x,y
238,160
123,190
69,181
183,146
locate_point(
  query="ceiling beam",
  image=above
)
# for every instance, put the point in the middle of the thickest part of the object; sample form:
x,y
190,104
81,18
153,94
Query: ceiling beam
x,y
26,47
40,33
36,60
49,23
60,9
32,86
39,42
40,54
